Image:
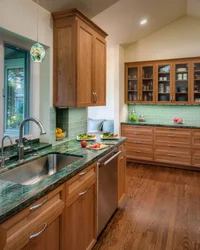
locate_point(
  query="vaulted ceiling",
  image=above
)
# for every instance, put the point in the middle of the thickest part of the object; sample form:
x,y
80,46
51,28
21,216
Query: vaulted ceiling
x,y
90,8
121,18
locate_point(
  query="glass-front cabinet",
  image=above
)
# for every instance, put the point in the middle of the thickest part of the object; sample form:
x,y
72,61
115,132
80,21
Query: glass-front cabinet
x,y
181,83
164,83
132,84
196,82
170,82
147,86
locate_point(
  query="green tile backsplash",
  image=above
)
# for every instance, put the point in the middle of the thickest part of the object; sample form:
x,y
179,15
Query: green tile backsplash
x,y
72,120
166,113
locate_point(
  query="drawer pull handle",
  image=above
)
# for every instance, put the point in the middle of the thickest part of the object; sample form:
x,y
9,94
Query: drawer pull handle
x,y
135,133
136,142
82,193
37,234
170,145
83,173
122,158
171,155
173,136
138,151
39,205
171,128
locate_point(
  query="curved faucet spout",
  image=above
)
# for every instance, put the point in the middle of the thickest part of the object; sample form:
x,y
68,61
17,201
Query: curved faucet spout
x,y
21,145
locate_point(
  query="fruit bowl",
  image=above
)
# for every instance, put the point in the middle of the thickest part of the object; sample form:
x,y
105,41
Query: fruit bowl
x,y
61,137
178,120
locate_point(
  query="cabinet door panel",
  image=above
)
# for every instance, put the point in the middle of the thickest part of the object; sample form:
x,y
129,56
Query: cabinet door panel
x,y
121,177
85,54
48,239
99,85
80,232
195,80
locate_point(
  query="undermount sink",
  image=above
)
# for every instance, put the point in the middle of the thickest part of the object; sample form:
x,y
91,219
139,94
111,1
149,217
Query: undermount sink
x,y
37,170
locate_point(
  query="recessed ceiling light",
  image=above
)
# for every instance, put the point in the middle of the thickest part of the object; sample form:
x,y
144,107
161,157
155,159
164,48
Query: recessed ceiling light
x,y
143,21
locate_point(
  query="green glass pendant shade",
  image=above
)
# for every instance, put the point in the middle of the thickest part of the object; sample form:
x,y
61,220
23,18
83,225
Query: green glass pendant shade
x,y
37,52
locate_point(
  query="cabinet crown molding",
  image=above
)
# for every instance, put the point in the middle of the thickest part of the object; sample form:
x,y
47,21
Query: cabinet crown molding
x,y
76,13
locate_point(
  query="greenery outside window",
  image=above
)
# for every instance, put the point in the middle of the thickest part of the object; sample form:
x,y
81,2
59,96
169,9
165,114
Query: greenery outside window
x,y
16,89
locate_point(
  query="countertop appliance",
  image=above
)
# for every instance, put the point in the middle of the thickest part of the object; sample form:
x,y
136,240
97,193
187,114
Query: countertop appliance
x,y
107,188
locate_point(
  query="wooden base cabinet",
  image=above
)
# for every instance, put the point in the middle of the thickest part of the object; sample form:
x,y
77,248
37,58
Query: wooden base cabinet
x,y
36,227
79,61
163,145
79,217
121,173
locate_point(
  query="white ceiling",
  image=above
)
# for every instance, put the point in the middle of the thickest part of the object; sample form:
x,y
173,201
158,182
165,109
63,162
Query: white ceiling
x,y
90,8
121,18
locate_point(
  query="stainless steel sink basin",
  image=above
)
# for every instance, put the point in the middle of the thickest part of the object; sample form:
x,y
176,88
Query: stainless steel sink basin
x,y
37,170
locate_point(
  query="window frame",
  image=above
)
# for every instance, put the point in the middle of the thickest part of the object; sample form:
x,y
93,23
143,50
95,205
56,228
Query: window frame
x,y
33,76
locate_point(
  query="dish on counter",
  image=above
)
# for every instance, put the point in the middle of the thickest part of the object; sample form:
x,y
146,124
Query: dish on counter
x,y
109,136
97,146
86,137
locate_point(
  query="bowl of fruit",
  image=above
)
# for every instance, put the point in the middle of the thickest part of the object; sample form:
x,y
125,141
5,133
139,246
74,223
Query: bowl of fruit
x,y
60,135
178,120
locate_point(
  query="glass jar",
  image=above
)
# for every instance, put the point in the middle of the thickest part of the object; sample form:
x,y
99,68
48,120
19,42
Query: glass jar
x,y
141,118
133,116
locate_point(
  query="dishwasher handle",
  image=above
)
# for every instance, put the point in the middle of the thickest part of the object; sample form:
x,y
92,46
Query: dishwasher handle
x,y
111,158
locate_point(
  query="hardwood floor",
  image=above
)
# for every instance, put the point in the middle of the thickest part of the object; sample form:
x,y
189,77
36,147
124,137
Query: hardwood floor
x,y
161,211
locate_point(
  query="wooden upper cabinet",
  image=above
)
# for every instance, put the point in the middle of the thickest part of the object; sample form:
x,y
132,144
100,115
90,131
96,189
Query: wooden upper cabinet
x,y
173,81
99,86
79,61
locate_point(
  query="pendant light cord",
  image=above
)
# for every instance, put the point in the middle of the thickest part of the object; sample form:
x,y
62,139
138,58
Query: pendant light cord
x,y
37,20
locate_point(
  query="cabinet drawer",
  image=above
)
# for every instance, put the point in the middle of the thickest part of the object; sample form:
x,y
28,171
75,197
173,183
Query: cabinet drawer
x,y
174,158
196,161
173,131
172,139
196,151
80,182
196,132
40,214
172,148
196,141
139,145
135,128
139,153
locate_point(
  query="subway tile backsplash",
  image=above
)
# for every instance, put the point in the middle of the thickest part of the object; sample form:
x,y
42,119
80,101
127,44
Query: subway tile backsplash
x,y
166,113
73,121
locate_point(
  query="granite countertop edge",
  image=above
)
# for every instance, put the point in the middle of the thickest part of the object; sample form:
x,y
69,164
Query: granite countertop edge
x,y
53,182
157,124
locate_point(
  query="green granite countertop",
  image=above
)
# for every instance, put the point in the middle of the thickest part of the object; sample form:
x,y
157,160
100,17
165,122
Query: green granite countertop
x,y
15,197
164,124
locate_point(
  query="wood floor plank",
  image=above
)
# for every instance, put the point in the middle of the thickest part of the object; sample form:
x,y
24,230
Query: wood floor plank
x,y
161,211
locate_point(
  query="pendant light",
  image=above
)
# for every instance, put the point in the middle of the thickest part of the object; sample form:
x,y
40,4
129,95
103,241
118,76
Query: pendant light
x,y
37,51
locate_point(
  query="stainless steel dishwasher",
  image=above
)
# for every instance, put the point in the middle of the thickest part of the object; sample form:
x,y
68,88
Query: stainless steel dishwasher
x,y
107,188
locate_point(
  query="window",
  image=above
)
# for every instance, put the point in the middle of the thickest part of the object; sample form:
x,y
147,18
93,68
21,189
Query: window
x,y
16,89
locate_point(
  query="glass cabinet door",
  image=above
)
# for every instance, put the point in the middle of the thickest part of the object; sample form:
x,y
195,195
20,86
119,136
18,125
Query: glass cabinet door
x,y
164,87
196,83
181,83
147,84
133,87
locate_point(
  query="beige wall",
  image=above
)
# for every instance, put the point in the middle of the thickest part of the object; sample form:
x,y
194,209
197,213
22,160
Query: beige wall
x,y
177,40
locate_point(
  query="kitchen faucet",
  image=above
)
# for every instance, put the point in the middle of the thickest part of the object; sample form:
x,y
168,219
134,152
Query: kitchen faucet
x,y
21,144
3,158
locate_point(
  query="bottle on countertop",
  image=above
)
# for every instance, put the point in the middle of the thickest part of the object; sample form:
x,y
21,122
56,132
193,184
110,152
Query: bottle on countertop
x,y
133,116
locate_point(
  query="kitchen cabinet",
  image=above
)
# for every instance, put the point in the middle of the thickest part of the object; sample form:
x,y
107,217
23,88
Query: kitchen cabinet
x,y
170,82
36,227
195,79
79,61
166,146
139,83
121,173
139,143
80,213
